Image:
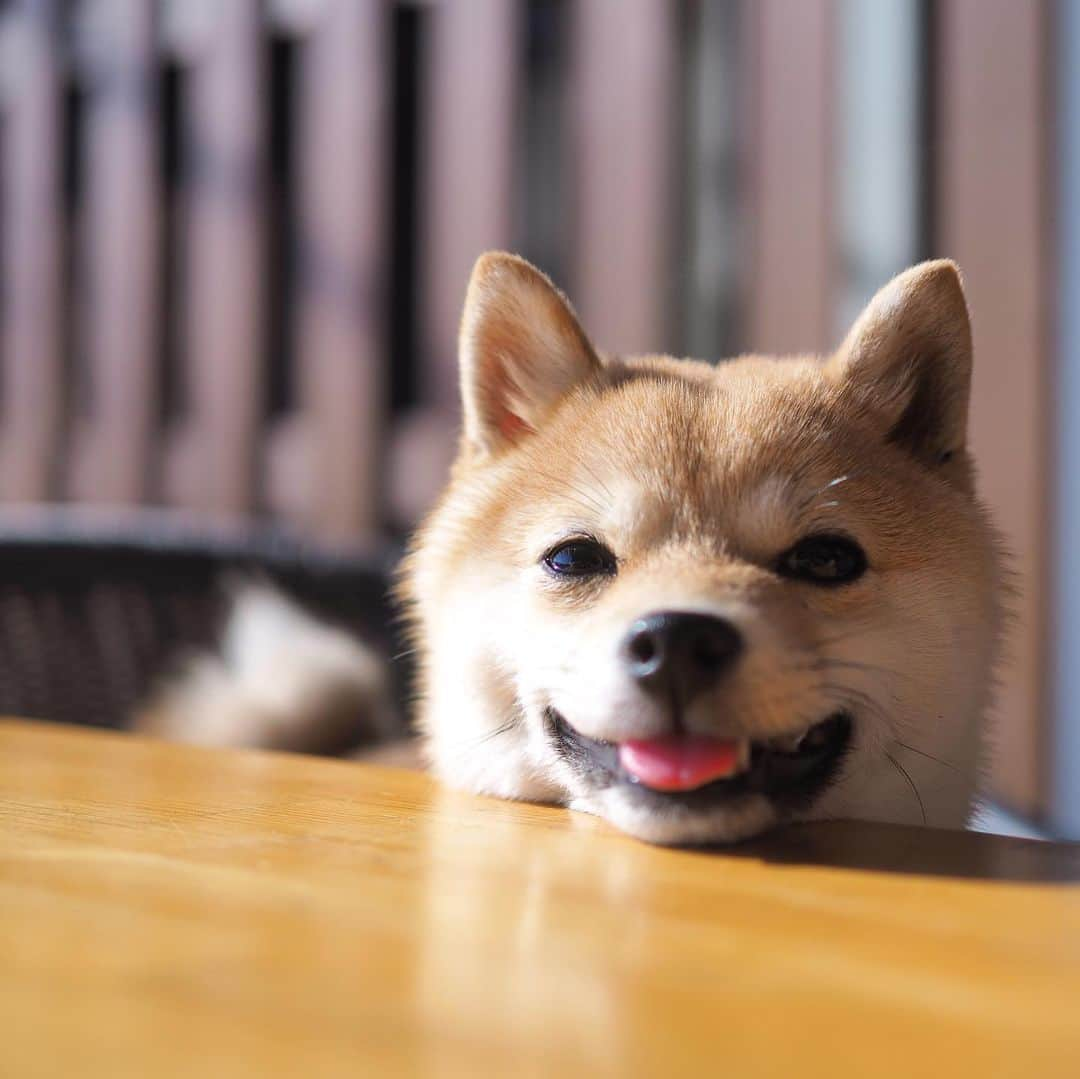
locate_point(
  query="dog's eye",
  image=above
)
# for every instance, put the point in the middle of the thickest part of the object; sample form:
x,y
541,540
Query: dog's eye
x,y
823,560
580,558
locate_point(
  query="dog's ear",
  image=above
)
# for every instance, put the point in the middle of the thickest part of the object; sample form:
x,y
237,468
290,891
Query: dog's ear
x,y
908,359
520,349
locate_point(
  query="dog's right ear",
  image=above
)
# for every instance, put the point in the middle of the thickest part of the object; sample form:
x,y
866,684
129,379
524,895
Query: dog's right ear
x,y
521,350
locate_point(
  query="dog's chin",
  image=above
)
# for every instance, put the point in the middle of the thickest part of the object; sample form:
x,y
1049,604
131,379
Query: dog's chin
x,y
777,783
674,825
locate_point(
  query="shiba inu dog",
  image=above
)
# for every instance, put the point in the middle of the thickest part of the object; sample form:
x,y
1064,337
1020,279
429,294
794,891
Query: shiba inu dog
x,y
701,601
698,601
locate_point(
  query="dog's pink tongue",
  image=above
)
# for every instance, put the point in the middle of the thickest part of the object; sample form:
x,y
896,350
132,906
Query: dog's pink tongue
x,y
679,763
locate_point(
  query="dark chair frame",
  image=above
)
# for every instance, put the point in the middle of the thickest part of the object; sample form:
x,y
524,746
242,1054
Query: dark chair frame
x,y
94,608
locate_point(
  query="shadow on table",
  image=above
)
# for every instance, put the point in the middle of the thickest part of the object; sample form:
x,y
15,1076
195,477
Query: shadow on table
x,y
890,848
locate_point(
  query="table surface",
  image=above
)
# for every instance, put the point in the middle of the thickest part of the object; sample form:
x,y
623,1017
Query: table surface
x,y
167,910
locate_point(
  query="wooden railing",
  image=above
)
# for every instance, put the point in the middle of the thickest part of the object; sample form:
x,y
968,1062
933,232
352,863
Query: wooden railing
x,y
235,236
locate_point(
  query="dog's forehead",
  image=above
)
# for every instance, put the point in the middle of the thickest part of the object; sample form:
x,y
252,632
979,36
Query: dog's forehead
x,y
724,434
734,448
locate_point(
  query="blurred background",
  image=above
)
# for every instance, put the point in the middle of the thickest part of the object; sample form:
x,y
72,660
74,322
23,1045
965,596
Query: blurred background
x,y
234,239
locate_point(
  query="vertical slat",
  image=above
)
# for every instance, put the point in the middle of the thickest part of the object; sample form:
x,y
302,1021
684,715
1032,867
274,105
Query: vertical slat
x,y
341,348
790,171
1065,811
467,158
542,181
994,64
223,286
30,395
119,265
880,161
625,120
712,221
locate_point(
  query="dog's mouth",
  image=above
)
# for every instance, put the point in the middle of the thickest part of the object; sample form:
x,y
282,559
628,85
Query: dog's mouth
x,y
702,773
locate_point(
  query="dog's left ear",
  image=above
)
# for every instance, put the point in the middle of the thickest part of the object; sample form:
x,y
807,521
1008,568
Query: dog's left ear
x,y
908,359
521,350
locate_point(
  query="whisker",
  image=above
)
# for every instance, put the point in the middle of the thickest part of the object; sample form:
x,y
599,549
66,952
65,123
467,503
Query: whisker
x,y
853,692
584,498
592,472
928,756
911,783
826,662
832,483
864,701
847,635
466,744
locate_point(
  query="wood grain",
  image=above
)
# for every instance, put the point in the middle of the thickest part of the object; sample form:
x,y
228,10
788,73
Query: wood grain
x,y
168,910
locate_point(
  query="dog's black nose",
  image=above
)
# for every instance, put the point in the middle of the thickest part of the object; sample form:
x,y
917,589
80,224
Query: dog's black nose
x,y
680,653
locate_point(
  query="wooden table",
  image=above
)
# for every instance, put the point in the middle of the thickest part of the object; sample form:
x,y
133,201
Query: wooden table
x,y
176,911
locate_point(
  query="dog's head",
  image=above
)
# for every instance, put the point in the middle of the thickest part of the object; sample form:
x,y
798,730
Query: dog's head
x,y
700,600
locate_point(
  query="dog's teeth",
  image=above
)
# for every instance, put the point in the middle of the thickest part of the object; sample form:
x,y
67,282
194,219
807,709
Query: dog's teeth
x,y
743,760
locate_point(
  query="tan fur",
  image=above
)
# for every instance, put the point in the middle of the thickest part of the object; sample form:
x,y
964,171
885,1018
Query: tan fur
x,y
697,477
